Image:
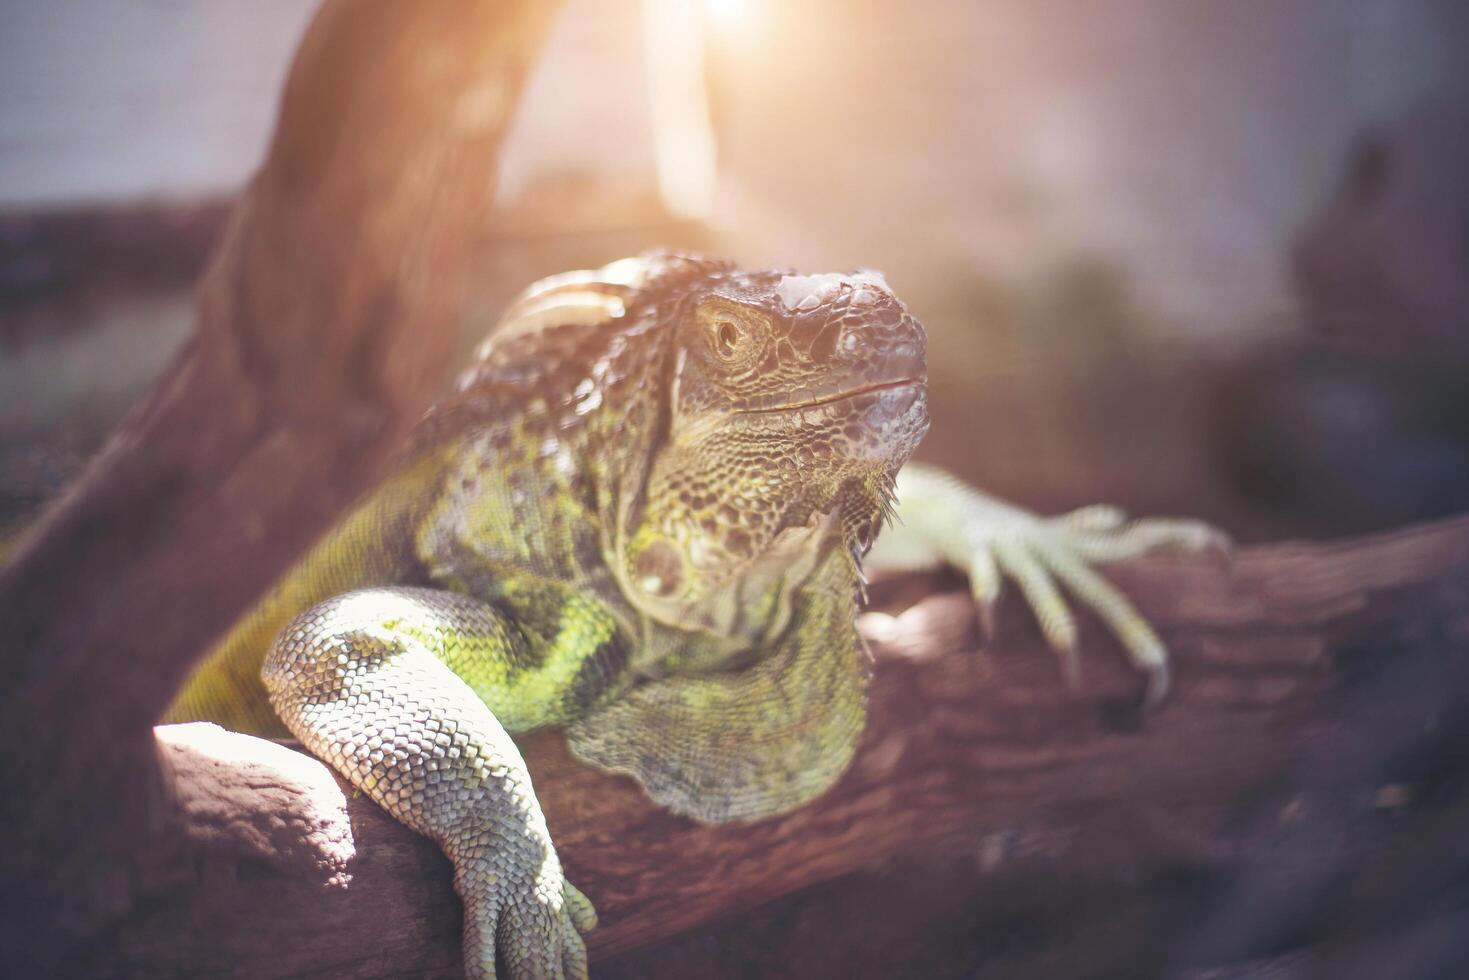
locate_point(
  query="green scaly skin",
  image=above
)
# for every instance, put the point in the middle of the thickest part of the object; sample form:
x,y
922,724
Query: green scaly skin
x,y
641,516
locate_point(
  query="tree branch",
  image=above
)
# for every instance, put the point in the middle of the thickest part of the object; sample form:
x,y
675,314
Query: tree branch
x,y
976,753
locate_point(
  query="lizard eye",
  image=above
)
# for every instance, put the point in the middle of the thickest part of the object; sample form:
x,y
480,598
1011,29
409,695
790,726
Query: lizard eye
x,y
726,338
730,335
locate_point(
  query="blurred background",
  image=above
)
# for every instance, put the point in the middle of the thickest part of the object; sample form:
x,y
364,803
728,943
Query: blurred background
x,y
1176,254
1181,255
1140,232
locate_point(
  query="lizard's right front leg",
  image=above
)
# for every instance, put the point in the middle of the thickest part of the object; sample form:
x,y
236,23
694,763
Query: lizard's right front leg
x,y
364,681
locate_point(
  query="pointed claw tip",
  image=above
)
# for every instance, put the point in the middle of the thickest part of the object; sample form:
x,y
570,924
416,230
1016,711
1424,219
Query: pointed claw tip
x,y
1159,682
986,611
1070,669
1061,636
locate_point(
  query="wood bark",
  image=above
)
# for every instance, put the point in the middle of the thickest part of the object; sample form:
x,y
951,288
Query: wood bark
x,y
978,755
325,327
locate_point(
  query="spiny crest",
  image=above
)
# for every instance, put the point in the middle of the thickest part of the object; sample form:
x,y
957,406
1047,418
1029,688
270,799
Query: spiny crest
x,y
595,296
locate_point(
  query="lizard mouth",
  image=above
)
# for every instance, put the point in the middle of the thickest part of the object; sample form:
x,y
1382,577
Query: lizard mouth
x,y
840,396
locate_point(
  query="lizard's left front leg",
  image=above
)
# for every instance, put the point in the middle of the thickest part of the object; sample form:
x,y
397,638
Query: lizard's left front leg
x,y
942,520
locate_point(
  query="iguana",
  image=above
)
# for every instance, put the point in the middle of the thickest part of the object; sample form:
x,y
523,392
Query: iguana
x,y
641,515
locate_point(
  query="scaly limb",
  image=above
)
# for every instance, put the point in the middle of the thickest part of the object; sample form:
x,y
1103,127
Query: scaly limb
x,y
365,681
940,519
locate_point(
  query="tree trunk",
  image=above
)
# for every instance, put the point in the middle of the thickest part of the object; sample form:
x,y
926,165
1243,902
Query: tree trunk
x,y
325,327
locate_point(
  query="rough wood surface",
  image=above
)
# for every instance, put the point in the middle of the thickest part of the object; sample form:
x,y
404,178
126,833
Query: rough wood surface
x,y
974,754
324,328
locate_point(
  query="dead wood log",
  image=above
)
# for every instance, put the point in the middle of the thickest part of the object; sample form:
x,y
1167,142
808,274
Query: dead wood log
x,y
977,754
325,327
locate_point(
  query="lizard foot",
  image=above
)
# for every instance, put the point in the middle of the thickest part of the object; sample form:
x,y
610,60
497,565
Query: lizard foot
x,y
942,519
531,933
1042,555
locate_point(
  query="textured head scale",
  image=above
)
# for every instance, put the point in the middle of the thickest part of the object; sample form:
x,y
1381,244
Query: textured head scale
x,y
792,403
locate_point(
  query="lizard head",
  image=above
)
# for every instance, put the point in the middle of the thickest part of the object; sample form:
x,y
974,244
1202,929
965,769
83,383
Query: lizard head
x,y
792,403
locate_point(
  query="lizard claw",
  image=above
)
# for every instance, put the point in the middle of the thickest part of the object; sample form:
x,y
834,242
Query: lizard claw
x,y
1095,517
579,907
984,584
1068,547
1120,539
987,629
1160,682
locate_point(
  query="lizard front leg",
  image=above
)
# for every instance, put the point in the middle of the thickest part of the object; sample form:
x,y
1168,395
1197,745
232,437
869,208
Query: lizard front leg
x,y
390,687
940,519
